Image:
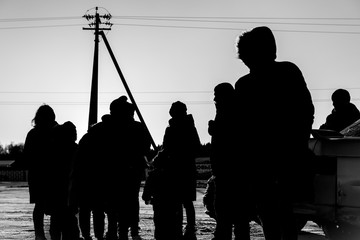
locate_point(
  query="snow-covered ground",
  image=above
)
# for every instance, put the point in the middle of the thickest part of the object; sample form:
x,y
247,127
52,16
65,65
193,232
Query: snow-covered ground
x,y
16,218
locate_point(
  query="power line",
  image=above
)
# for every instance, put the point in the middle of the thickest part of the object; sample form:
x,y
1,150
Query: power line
x,y
233,21
242,18
146,92
184,27
88,92
228,20
234,29
144,103
43,26
38,19
183,18
21,103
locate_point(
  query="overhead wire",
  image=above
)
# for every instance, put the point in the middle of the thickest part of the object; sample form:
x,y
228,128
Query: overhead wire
x,y
155,103
212,20
145,92
38,19
180,18
219,20
233,20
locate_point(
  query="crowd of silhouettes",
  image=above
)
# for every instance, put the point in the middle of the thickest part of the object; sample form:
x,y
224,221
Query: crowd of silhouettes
x,y
110,168
50,150
255,178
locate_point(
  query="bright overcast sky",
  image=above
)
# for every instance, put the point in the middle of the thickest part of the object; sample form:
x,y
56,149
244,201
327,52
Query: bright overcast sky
x,y
167,50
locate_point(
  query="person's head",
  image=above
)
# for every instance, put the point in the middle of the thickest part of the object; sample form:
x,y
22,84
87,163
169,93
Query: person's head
x,y
178,109
121,108
44,116
69,131
256,47
223,93
340,97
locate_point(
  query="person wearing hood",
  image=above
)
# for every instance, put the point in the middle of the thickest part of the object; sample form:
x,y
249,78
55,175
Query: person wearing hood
x,y
181,144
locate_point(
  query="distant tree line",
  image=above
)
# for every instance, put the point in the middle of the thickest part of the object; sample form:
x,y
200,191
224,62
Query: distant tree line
x,y
14,151
11,152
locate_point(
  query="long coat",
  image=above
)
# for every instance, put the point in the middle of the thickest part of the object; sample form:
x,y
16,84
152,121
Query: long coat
x,y
38,156
110,162
64,151
181,143
275,116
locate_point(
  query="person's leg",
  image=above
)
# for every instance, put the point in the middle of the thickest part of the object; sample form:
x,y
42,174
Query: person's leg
x,y
190,229
134,225
112,225
190,214
135,219
242,229
285,205
222,204
177,215
123,225
166,220
84,222
71,229
38,220
268,208
157,221
99,223
223,229
55,226
288,223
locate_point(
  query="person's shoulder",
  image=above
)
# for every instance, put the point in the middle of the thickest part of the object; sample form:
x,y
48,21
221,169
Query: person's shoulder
x,y
32,131
354,108
94,131
242,79
96,127
83,139
31,134
246,76
287,65
35,132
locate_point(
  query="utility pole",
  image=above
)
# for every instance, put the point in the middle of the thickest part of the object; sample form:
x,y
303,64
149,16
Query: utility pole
x,y
94,25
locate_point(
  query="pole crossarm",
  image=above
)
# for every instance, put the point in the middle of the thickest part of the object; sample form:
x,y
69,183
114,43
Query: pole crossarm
x,y
96,22
100,29
127,88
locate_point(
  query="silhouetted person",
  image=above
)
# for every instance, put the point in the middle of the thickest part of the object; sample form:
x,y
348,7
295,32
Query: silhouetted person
x,y
65,224
38,157
344,112
226,168
118,144
88,188
162,193
275,116
181,143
